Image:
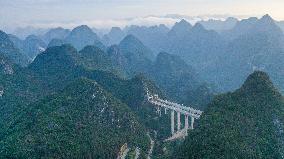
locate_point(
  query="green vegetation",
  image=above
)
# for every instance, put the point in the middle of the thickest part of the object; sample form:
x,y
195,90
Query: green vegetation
x,y
19,89
82,121
59,66
46,93
179,81
8,49
247,123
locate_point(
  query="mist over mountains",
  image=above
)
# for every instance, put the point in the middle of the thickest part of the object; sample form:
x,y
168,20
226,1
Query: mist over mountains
x,y
81,93
202,45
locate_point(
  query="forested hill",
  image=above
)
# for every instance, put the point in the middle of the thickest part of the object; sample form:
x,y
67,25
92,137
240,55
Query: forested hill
x,y
10,51
35,95
82,121
247,123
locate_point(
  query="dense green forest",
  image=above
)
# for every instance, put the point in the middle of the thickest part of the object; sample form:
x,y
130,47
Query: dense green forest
x,y
81,121
51,112
247,123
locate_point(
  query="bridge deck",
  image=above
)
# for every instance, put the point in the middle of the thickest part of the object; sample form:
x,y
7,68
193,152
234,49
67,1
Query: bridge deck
x,y
180,109
174,106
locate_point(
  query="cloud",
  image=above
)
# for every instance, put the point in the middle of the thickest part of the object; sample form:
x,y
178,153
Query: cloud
x,y
106,23
108,13
151,20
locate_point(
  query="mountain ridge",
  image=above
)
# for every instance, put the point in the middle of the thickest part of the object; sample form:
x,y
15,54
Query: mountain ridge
x,y
241,124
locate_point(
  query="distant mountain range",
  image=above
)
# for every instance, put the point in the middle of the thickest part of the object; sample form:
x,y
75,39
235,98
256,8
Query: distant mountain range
x,y
219,25
260,47
212,53
208,46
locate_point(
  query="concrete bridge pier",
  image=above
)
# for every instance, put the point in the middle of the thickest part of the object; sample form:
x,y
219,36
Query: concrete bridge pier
x,y
186,123
173,122
192,122
178,121
159,111
175,108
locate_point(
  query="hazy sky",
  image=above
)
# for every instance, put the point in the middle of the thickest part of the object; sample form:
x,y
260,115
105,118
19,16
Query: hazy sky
x,y
100,13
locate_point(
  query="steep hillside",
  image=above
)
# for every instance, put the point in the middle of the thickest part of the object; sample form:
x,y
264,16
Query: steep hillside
x,y
130,44
153,37
247,123
9,50
177,79
33,45
242,27
173,76
30,46
131,55
261,48
64,64
113,37
82,121
6,66
197,46
18,43
58,67
18,88
55,33
95,59
56,42
180,29
82,36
